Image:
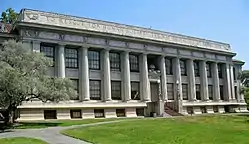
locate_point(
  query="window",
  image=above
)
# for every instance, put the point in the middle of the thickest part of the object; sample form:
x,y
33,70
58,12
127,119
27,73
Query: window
x,y
183,67
95,90
134,63
210,92
221,92
185,91
170,91
115,61
196,68
198,91
208,68
220,71
169,66
135,90
99,113
236,92
234,74
120,112
71,58
94,60
48,51
116,90
50,114
75,114
76,86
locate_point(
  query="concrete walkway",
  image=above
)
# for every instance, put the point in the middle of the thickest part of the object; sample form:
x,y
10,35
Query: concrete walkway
x,y
51,135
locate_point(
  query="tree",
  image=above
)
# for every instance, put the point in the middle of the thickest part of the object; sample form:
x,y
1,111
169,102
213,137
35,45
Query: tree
x,y
9,16
23,77
244,77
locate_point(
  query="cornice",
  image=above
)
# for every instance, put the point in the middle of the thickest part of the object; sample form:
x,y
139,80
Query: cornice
x,y
60,20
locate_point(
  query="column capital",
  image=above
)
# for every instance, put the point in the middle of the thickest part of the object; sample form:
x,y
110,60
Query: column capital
x,y
85,47
62,44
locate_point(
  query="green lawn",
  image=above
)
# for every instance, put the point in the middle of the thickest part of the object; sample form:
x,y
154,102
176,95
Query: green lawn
x,y
21,140
182,130
54,123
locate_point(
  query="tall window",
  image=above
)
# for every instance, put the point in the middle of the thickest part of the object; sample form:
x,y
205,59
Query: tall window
x,y
198,91
236,92
94,60
71,58
208,68
116,90
115,61
185,91
196,68
76,87
220,70
170,91
95,89
183,67
221,92
134,63
135,90
234,74
169,66
210,92
48,51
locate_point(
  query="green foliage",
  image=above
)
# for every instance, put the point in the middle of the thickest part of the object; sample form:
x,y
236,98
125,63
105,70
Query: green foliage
x,y
23,77
244,77
9,16
21,140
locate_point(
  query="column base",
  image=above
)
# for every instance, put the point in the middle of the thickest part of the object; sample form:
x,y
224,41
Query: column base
x,y
197,110
210,109
221,109
110,113
130,112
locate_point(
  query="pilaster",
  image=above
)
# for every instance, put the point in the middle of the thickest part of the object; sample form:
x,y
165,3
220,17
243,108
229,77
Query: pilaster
x,y
106,75
204,80
191,79
126,77
163,78
84,75
61,61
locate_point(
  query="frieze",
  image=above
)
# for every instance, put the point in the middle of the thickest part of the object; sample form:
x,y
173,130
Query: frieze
x,y
97,41
198,54
154,48
170,50
117,43
49,35
219,57
136,45
74,38
185,52
53,19
209,56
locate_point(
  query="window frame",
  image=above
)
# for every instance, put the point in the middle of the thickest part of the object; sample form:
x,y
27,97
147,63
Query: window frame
x,y
210,91
138,90
94,57
42,50
95,89
183,67
69,56
222,92
198,91
197,68
76,88
115,61
220,73
185,92
209,70
170,91
134,63
116,91
169,66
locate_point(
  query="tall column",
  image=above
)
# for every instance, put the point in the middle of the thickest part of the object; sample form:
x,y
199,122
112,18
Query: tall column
x,y
126,77
191,79
232,82
216,84
106,76
84,75
144,78
163,78
227,81
178,79
204,80
61,61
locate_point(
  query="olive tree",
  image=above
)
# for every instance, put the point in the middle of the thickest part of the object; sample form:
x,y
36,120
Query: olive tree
x,y
23,77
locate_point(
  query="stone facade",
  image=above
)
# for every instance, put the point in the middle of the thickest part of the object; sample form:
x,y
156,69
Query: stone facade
x,y
129,71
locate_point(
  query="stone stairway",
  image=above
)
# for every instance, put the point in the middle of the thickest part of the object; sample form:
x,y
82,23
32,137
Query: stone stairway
x,y
171,112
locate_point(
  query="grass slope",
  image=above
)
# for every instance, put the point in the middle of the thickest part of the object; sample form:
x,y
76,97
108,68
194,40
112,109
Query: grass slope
x,y
21,140
184,130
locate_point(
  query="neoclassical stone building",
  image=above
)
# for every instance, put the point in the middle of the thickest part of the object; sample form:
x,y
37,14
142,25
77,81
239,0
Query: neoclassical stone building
x,y
122,70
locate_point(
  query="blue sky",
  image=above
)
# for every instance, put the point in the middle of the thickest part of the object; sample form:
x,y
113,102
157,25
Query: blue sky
x,y
220,20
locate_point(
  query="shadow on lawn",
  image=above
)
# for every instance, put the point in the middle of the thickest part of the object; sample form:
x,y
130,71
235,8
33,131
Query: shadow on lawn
x,y
23,125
